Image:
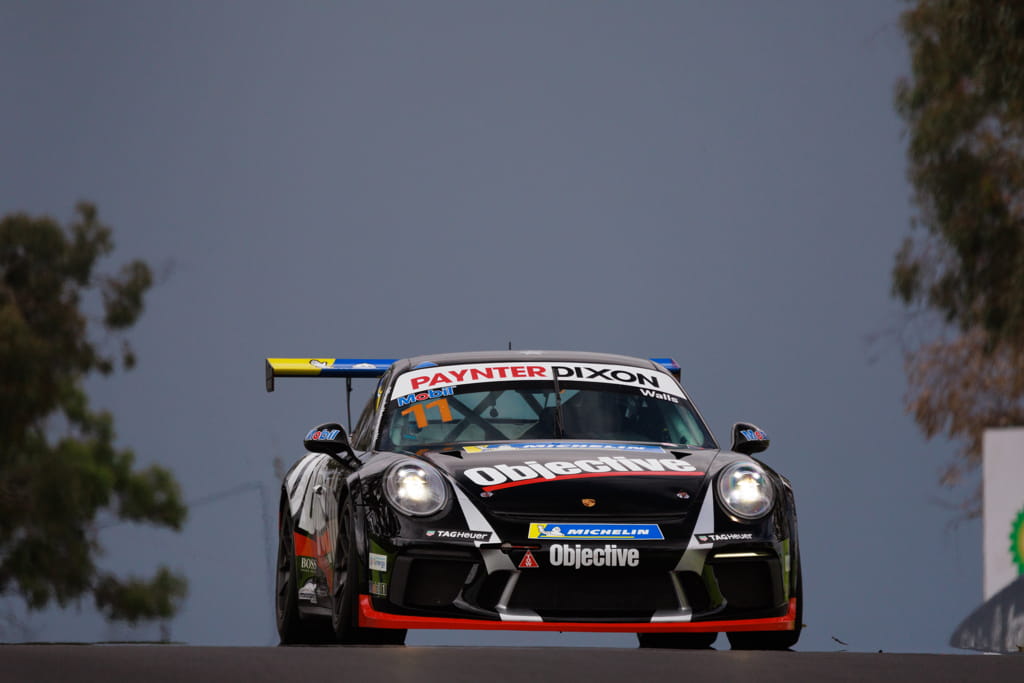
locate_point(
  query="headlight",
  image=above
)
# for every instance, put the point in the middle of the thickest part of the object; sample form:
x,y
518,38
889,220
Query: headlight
x,y
745,490
415,489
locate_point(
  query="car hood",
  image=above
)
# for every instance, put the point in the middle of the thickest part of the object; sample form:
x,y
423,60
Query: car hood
x,y
582,480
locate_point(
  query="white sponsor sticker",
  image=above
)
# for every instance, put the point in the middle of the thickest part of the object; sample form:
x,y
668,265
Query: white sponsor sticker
x,y
378,562
563,555
450,534
533,471
424,379
308,592
717,538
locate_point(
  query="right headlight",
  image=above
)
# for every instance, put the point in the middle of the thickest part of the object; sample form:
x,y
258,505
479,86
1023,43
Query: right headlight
x,y
415,489
745,490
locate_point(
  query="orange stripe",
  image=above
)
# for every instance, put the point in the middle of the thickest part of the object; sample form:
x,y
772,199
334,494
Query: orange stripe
x,y
304,545
371,618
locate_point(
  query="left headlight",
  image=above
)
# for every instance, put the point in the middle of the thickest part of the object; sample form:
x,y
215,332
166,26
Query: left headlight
x,y
745,490
415,489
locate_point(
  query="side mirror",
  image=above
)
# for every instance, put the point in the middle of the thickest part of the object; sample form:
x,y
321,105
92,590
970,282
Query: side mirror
x,y
331,439
748,438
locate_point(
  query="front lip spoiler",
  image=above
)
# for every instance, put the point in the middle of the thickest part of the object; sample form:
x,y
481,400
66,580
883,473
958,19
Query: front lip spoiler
x,y
371,618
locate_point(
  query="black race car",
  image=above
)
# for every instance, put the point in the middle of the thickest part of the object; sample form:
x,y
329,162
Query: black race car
x,y
532,490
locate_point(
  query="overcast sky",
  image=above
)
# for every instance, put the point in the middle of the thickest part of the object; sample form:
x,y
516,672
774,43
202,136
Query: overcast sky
x,y
720,182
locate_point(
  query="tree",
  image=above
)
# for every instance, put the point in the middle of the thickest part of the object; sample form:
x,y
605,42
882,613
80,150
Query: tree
x,y
59,468
964,261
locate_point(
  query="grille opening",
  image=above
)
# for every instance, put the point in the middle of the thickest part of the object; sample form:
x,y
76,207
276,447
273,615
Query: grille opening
x,y
596,593
434,583
695,591
490,590
750,584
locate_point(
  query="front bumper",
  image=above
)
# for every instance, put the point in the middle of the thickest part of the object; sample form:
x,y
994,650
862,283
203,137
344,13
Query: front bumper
x,y
730,587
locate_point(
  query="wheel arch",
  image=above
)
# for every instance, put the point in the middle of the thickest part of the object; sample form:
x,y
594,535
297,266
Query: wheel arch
x,y
349,492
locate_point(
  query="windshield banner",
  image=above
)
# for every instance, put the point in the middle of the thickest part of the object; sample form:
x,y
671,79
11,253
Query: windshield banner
x,y
423,380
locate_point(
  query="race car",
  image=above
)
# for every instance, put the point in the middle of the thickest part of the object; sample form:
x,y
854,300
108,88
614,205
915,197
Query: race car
x,y
535,491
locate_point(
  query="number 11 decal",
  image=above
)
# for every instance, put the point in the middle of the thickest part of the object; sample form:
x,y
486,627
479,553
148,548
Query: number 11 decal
x,y
420,411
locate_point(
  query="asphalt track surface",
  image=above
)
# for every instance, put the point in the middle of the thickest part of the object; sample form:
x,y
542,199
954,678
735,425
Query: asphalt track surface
x,y
131,663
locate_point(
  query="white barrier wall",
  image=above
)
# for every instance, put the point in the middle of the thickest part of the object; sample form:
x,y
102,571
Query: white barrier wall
x,y
1003,507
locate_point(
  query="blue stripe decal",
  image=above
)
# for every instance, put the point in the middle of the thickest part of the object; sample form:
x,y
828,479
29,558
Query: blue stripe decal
x,y
668,363
356,367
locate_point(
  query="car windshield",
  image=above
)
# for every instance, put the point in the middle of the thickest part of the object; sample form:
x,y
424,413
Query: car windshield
x,y
460,404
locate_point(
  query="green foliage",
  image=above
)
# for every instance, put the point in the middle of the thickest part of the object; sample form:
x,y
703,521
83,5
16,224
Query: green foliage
x,y
136,598
58,466
965,111
964,107
961,387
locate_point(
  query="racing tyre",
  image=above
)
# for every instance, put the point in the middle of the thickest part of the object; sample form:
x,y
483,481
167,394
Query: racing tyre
x,y
291,628
677,641
773,640
345,602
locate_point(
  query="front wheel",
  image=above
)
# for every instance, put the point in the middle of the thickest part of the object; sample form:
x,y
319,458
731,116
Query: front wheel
x,y
677,641
291,628
345,589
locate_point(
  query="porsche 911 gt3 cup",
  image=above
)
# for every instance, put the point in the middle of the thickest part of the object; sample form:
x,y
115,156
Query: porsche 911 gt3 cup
x,y
532,490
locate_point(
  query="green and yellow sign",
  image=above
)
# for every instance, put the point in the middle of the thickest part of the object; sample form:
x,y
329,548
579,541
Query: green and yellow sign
x,y
1017,541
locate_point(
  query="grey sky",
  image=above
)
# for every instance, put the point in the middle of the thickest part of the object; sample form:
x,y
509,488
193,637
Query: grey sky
x,y
720,182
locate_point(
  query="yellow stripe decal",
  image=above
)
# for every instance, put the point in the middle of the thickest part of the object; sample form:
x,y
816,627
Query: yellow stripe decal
x,y
299,367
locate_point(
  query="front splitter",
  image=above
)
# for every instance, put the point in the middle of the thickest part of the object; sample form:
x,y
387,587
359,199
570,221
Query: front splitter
x,y
371,618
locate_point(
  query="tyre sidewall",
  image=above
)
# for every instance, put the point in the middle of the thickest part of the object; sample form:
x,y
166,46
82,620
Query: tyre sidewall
x,y
344,601
286,603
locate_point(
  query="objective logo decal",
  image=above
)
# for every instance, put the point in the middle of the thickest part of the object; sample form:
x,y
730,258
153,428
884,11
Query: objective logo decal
x,y
1017,541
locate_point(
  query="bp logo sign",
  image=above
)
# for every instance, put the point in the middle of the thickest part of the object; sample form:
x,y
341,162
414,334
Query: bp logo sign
x,y
1017,541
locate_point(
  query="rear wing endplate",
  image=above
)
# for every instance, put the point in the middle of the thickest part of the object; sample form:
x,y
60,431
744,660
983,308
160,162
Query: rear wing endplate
x,y
670,365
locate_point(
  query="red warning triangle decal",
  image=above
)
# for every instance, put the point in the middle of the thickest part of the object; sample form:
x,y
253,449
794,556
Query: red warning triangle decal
x,y
528,562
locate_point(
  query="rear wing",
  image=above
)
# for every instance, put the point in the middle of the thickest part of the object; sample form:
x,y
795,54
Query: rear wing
x,y
672,366
365,367
325,367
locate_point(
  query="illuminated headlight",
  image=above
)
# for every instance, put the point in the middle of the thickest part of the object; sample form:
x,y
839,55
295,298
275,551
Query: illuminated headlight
x,y
415,489
745,490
